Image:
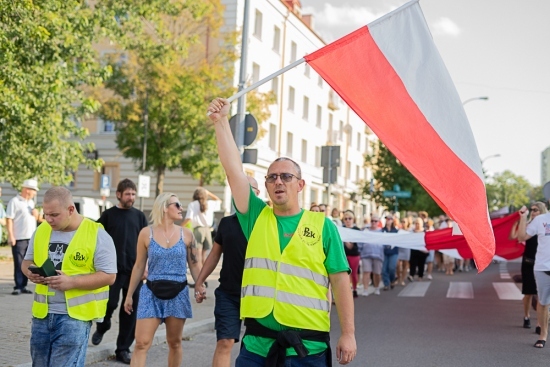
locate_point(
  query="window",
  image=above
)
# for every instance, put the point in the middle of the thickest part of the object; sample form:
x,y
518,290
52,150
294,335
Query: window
x,y
350,136
276,39
317,156
272,136
305,115
304,151
291,98
359,141
341,131
307,70
289,142
258,25
357,173
255,72
319,116
293,51
320,81
106,127
348,169
275,88
313,195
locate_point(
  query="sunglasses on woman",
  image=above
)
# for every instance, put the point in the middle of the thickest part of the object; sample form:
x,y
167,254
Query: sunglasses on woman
x,y
176,204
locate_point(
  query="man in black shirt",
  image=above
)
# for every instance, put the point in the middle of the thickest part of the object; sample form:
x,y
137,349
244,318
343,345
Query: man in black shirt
x,y
230,241
123,223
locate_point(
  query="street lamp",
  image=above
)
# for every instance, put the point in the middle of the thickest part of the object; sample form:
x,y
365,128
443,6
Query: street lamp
x,y
474,99
491,156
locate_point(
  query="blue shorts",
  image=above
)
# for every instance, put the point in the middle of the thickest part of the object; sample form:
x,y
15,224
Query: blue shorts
x,y
227,313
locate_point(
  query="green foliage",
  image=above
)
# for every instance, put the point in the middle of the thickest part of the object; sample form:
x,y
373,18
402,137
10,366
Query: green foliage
x,y
387,172
508,189
46,56
173,69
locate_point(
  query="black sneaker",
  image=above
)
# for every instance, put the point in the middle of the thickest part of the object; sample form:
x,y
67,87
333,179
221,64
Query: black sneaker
x,y
97,337
355,294
526,323
16,292
26,291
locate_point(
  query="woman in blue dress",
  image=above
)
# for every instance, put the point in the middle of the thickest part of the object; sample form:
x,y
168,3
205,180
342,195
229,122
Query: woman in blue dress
x,y
169,248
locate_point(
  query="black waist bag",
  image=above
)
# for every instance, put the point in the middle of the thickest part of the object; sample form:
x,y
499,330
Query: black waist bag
x,y
166,289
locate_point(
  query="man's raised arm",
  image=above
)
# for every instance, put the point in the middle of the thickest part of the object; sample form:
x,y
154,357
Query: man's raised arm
x,y
230,156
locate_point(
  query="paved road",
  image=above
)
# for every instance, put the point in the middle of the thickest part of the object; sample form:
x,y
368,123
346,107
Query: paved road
x,y
463,320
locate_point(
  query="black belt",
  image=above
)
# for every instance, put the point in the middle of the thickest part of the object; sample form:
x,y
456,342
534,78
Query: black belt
x,y
286,339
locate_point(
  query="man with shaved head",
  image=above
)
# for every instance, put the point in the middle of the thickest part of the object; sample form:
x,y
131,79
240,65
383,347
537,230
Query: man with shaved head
x,y
292,257
65,304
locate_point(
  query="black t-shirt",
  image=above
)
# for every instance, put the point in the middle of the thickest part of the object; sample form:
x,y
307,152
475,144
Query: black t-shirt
x,y
354,251
531,248
233,242
124,225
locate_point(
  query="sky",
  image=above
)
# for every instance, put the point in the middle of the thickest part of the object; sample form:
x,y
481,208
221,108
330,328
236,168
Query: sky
x,y
498,49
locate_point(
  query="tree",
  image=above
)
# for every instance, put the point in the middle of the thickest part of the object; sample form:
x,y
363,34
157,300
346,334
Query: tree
x,y
173,69
387,172
46,56
508,189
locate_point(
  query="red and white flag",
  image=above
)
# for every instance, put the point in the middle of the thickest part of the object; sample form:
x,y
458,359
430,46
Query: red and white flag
x,y
391,74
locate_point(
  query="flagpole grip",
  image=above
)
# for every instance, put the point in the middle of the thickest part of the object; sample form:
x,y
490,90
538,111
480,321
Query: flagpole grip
x,y
263,81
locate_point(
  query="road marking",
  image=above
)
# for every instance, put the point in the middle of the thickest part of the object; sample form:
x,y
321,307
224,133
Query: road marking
x,y
460,290
503,269
507,291
416,289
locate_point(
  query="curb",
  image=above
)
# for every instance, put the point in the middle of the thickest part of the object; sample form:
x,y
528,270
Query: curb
x,y
103,352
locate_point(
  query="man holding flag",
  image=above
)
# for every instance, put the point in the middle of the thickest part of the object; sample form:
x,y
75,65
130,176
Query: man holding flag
x,y
292,257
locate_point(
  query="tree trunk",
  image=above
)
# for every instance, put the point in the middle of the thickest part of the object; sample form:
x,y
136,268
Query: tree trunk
x,y
160,180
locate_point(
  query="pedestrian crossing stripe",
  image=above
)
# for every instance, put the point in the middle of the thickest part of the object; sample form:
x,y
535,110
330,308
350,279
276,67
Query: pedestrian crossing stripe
x,y
463,290
503,270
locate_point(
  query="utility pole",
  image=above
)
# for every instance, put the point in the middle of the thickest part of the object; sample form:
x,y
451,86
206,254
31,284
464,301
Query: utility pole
x,y
241,104
144,157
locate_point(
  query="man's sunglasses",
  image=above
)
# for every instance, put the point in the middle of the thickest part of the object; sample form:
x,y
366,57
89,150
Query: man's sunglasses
x,y
285,177
176,204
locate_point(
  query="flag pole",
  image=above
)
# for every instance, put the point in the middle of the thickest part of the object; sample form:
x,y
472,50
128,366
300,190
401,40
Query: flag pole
x,y
264,80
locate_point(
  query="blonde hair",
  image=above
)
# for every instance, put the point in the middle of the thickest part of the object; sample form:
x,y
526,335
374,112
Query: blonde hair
x,y
157,213
541,206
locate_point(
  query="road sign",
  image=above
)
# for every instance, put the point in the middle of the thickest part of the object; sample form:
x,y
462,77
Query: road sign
x,y
250,128
397,194
104,192
105,182
144,186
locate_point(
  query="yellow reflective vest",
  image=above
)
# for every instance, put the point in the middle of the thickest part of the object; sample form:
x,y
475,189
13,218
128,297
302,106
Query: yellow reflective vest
x,y
85,305
292,284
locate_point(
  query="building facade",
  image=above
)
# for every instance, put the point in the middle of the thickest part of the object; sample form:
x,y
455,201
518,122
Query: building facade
x,y
545,166
307,115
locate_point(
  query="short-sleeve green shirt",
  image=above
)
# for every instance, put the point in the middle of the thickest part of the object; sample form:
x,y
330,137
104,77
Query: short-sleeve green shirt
x,y
335,262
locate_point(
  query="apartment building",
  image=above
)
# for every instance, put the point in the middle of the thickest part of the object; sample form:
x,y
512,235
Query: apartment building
x,y
307,116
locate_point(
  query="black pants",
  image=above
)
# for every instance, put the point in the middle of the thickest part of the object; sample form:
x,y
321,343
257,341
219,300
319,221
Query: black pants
x,y
417,260
18,252
127,323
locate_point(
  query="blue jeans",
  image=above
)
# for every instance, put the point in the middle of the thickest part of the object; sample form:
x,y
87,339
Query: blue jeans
x,y
388,269
249,359
59,340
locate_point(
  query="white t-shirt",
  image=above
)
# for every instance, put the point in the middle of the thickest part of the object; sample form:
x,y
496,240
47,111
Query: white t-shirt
x,y
20,211
540,227
199,219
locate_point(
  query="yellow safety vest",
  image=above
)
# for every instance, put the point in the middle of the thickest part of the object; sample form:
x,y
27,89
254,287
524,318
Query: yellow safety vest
x,y
292,284
85,305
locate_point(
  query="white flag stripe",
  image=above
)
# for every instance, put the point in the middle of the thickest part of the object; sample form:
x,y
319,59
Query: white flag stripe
x,y
408,34
460,290
507,291
416,289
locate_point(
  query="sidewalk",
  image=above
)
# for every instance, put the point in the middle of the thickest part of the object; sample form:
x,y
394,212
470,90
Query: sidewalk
x,y
16,317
